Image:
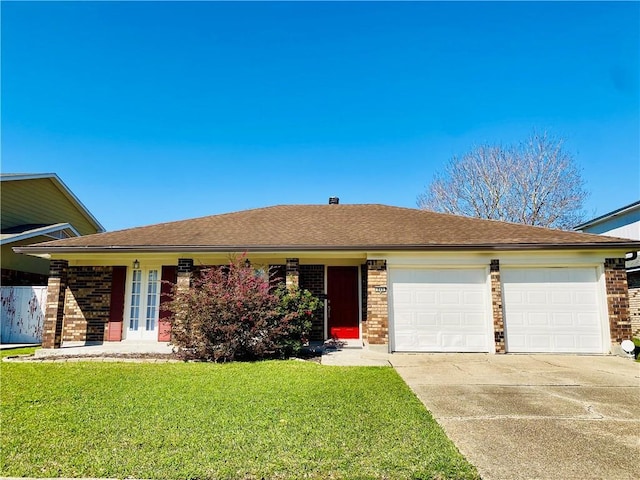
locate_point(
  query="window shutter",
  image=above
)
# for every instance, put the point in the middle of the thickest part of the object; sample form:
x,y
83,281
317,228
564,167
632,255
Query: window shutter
x,y
169,274
116,310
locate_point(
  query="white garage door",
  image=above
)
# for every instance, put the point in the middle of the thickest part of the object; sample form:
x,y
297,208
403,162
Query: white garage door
x,y
553,310
440,310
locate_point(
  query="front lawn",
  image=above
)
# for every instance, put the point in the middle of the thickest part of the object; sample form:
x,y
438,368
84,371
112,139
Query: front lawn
x,y
276,420
17,351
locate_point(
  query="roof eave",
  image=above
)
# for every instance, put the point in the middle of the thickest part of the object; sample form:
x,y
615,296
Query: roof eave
x,y
34,249
38,232
607,216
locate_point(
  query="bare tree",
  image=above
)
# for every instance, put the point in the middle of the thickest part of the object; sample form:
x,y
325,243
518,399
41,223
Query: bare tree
x,y
536,183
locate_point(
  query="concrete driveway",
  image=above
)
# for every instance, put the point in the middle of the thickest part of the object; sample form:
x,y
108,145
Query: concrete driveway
x,y
534,416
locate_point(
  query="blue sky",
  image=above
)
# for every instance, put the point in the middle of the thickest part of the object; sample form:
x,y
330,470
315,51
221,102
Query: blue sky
x,y
160,111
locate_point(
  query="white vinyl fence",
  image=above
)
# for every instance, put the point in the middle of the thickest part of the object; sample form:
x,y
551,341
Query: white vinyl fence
x,y
22,314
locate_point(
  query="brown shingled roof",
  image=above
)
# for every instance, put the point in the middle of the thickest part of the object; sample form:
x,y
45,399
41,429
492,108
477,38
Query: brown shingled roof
x,y
330,227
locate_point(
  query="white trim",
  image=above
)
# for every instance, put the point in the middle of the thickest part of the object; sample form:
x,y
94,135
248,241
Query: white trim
x,y
37,232
604,308
602,218
143,303
391,324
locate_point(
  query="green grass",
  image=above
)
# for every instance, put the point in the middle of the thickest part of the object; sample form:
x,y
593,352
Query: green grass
x,y
273,420
18,351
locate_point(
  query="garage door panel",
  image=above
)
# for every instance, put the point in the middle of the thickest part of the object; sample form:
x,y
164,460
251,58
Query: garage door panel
x,y
423,297
535,298
562,298
451,319
407,340
425,341
560,312
517,342
450,308
541,342
585,298
566,342
450,298
587,320
427,319
589,341
405,318
536,319
474,320
473,298
563,320
475,341
453,340
402,296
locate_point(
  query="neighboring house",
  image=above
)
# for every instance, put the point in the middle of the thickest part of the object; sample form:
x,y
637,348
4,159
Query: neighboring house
x,y
37,208
409,280
623,222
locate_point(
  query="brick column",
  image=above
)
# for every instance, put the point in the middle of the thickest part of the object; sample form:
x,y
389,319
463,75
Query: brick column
x,y
185,267
293,272
376,330
615,277
496,305
54,314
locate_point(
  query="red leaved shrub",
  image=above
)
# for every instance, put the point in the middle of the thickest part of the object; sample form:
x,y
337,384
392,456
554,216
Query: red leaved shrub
x,y
229,313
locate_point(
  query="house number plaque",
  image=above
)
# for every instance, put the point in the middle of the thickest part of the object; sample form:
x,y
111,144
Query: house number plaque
x,y
380,289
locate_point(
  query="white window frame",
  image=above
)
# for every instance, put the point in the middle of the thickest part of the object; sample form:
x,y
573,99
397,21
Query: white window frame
x,y
148,312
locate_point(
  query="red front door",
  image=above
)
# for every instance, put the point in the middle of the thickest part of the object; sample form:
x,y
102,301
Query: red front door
x,y
342,296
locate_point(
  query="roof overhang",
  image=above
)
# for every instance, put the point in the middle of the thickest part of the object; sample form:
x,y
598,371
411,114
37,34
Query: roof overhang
x,y
36,250
607,216
45,231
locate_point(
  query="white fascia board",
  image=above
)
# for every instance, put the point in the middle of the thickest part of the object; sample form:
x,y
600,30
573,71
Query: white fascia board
x,y
607,216
506,258
38,232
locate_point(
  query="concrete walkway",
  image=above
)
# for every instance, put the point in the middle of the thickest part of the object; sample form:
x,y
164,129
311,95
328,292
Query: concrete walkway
x,y
355,357
13,346
343,354
534,416
109,348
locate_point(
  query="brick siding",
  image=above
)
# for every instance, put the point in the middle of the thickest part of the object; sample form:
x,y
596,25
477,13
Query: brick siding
x,y
496,304
312,279
363,289
377,325
293,272
54,313
617,299
87,304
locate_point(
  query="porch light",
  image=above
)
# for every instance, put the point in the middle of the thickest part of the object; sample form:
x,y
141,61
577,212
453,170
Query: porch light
x,y
136,264
247,263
